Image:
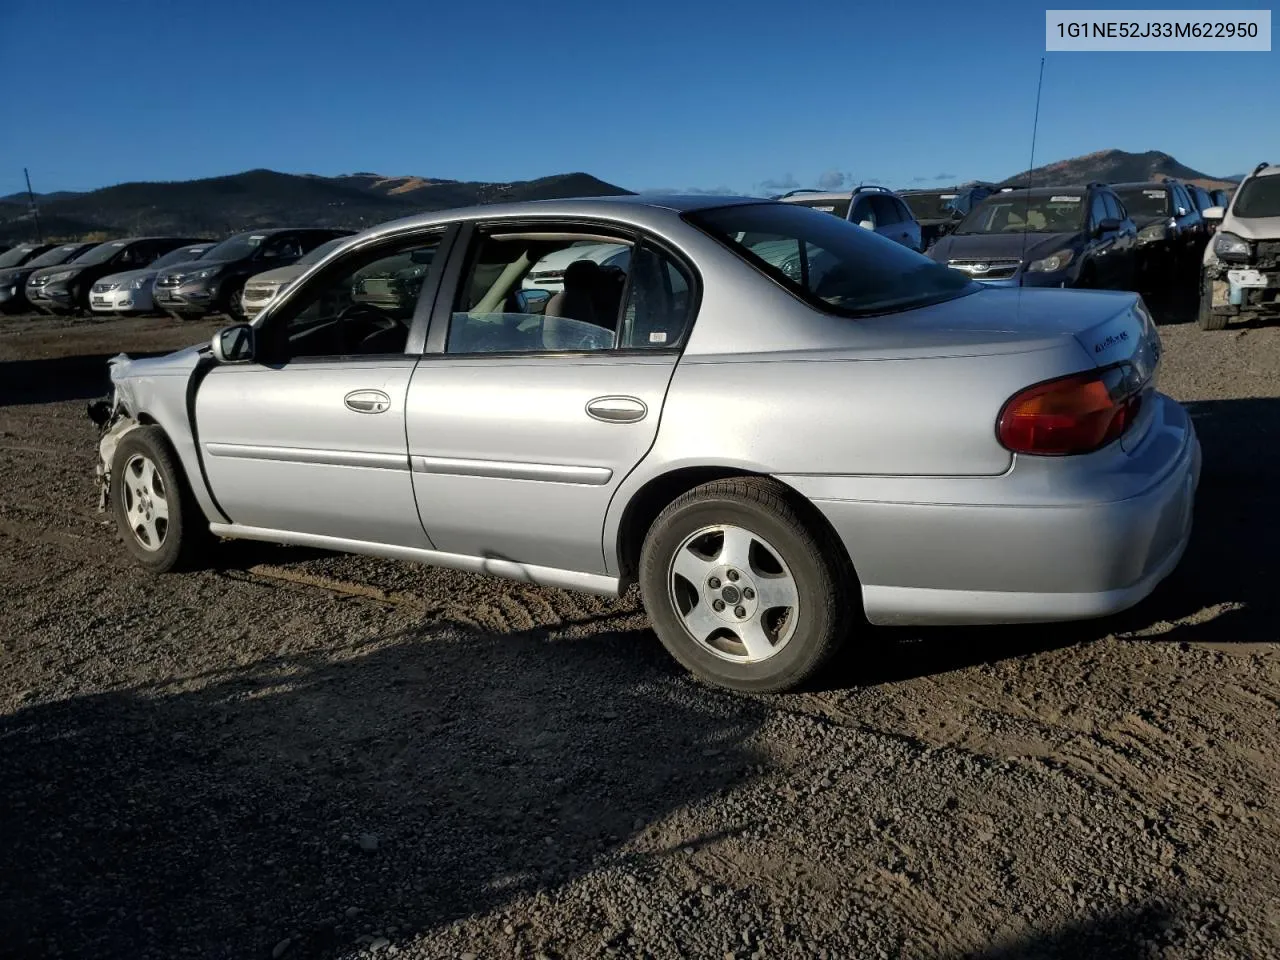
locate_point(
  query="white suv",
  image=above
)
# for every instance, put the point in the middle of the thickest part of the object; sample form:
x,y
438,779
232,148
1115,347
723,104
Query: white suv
x,y
872,207
1241,272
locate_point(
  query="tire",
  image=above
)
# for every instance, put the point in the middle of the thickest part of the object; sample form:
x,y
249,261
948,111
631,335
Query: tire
x,y
157,517
755,530
234,305
1208,319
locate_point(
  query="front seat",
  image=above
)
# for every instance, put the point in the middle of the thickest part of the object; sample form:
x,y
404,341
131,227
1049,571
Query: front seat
x,y
575,301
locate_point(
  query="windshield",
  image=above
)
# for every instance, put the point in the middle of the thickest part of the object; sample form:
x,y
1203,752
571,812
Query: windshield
x,y
181,255
11,258
1259,197
934,206
51,258
316,255
1145,201
831,263
1026,213
236,248
101,253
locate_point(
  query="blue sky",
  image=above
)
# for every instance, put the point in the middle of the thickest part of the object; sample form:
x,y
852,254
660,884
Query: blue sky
x,y
746,97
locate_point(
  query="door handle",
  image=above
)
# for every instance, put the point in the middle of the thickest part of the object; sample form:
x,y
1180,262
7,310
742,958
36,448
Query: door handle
x,y
367,401
617,409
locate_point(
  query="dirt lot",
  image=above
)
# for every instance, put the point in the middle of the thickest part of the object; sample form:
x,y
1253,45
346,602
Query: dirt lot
x,y
297,755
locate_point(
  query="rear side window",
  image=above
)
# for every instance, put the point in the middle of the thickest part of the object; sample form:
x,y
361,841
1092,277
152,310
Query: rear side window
x,y
831,264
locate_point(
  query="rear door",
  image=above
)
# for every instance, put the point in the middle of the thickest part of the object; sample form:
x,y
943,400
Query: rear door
x,y
525,415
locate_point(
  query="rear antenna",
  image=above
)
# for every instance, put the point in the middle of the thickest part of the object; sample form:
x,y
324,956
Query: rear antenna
x,y
1035,125
31,204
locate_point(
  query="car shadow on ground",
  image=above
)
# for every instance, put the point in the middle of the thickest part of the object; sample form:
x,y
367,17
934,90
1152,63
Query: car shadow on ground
x,y
1131,934
1222,592
427,776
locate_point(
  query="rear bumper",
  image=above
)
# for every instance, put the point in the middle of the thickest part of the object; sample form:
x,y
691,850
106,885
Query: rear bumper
x,y
1022,547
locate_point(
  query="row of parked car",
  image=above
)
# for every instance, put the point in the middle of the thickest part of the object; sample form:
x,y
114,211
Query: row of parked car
x,y
1153,237
182,276
1130,236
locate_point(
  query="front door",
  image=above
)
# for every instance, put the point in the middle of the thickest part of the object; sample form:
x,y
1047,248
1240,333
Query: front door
x,y
310,437
531,414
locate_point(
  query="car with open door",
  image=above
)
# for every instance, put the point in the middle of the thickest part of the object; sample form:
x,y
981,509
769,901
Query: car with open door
x,y
779,425
870,206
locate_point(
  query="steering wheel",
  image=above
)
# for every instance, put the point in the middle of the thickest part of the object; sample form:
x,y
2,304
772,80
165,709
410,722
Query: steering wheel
x,y
367,311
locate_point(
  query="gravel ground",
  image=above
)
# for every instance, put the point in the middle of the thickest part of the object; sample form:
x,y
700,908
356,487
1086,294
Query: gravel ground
x,y
295,754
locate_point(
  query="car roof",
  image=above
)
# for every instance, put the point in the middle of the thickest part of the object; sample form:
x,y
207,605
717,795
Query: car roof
x,y
1145,184
633,208
1046,191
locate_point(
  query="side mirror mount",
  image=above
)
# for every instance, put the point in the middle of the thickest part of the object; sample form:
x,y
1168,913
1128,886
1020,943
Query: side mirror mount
x,y
866,225
1213,213
233,344
1108,225
532,301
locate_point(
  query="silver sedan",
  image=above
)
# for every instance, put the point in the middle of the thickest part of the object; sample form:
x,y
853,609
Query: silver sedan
x,y
782,426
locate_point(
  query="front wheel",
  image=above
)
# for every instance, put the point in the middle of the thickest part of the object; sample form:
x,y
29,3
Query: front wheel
x,y
742,589
235,304
1208,319
155,514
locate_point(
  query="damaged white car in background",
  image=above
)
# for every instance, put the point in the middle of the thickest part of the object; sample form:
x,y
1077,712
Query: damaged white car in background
x,y
1240,278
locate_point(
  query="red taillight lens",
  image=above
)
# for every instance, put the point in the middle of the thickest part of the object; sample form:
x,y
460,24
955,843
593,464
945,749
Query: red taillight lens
x,y
1074,414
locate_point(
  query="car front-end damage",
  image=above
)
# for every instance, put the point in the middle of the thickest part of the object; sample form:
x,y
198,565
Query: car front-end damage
x,y
114,418
1242,277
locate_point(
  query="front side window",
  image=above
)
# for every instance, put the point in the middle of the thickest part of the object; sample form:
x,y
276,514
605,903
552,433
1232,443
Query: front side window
x,y
362,305
886,211
1097,211
833,265
1113,208
282,245
863,213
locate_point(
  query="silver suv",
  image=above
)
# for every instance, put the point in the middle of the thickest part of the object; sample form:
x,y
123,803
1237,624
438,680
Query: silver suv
x,y
1240,276
872,207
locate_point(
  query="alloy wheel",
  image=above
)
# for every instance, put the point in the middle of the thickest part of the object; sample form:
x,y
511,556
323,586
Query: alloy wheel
x,y
733,593
146,504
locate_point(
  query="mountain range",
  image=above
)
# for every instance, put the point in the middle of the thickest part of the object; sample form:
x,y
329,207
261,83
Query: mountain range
x,y
1117,166
263,198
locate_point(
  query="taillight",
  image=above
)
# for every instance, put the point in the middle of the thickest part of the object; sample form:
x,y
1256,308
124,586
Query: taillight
x,y
1075,414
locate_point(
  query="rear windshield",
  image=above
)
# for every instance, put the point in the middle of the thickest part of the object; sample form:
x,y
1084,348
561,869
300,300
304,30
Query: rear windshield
x,y
11,258
831,263
51,258
102,252
1259,197
181,255
936,206
838,208
1027,213
1145,201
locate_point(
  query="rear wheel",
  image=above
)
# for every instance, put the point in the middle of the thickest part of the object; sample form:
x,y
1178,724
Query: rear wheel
x,y
157,517
742,589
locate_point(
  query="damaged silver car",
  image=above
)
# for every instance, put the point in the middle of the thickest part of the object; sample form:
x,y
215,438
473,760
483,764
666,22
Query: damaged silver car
x,y
1240,277
778,424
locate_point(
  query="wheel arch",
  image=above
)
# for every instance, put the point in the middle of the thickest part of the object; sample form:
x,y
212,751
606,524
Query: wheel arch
x,y
653,496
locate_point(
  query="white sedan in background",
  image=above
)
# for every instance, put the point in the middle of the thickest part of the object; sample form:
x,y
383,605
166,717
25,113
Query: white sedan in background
x,y
130,292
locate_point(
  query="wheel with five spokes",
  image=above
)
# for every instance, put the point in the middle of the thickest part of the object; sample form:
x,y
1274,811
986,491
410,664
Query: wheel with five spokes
x,y
155,514
744,589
